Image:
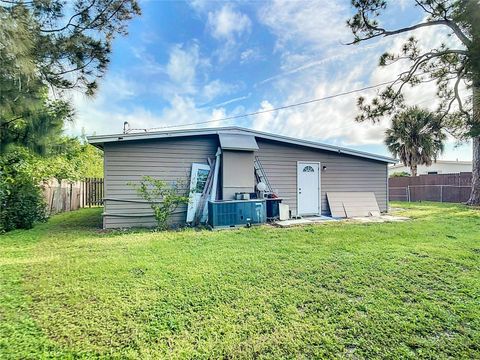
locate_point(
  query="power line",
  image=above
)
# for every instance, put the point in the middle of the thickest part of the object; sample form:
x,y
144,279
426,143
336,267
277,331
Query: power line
x,y
271,110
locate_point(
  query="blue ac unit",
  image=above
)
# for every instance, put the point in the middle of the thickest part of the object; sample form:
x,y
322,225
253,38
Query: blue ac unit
x,y
231,213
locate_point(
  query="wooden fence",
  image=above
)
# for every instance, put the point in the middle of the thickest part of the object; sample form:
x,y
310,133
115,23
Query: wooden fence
x,y
93,192
436,187
68,196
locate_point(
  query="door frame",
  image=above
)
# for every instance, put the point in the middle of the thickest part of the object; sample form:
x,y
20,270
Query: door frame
x,y
319,186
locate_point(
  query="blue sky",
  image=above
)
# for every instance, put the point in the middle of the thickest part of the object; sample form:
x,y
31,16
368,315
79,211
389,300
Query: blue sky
x,y
186,62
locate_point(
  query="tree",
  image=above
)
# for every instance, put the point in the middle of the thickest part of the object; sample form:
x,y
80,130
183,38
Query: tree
x,y
416,137
451,67
34,125
48,47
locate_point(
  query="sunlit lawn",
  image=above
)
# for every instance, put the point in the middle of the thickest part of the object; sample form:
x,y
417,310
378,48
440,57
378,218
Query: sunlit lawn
x,y
389,290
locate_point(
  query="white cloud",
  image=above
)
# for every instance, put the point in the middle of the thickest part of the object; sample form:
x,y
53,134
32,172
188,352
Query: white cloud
x,y
214,89
250,55
227,23
100,116
314,65
147,62
230,101
306,23
182,64
329,120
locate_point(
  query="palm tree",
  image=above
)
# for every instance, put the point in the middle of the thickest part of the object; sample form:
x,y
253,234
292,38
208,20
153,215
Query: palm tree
x,y
416,137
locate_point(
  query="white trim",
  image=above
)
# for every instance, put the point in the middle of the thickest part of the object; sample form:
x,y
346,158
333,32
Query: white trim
x,y
319,186
101,139
387,210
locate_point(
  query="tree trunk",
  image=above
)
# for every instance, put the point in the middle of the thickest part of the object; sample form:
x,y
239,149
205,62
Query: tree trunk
x,y
413,170
475,194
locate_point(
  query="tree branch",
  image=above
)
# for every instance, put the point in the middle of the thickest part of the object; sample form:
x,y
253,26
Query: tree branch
x,y
74,69
383,32
424,8
460,75
70,21
5,124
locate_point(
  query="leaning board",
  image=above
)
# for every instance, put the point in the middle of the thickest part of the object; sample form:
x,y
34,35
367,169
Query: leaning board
x,y
352,204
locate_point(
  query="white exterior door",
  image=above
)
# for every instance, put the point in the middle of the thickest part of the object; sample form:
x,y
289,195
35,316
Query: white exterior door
x,y
308,188
197,184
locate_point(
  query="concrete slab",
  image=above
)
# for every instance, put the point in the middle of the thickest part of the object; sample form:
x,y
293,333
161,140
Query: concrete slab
x,y
320,218
304,221
395,218
323,219
292,222
380,219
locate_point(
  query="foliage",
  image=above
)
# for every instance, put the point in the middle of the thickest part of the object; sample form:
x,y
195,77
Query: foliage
x,y
50,47
339,290
72,159
163,198
400,174
22,171
35,127
47,48
448,66
416,136
453,66
21,200
65,44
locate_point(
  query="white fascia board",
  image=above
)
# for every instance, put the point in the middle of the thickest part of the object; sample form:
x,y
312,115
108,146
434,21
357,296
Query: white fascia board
x,y
99,140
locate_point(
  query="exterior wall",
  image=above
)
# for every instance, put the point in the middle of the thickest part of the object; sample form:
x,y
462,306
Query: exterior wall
x,y
167,159
343,172
237,173
441,167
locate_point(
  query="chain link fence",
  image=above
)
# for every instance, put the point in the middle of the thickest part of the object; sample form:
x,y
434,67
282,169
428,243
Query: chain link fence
x,y
439,193
453,188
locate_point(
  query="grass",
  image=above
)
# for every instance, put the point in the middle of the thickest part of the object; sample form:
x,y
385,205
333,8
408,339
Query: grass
x,y
392,290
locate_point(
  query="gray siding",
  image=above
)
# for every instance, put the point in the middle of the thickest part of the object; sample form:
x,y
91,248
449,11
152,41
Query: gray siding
x,y
171,159
343,173
167,159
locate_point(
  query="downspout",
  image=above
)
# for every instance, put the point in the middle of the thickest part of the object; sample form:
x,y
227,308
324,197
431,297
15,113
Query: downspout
x,y
213,193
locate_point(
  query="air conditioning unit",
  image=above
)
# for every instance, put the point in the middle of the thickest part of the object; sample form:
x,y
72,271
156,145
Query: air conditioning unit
x,y
232,213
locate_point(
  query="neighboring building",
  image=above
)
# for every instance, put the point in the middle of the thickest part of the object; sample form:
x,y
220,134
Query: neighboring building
x,y
439,167
300,172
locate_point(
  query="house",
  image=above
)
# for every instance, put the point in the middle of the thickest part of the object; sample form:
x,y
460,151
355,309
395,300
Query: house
x,y
300,172
438,167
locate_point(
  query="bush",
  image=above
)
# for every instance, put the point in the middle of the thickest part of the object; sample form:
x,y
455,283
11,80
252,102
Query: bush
x,y
163,198
400,174
21,200
23,206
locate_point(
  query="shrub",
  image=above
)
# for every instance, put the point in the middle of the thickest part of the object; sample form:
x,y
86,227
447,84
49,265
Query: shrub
x,y
163,198
400,174
23,206
21,200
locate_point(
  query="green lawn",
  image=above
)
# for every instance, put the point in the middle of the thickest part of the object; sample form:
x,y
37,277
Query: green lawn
x,y
396,290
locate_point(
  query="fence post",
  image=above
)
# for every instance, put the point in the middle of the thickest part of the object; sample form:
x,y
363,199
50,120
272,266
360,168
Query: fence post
x,y
89,186
441,193
408,193
70,202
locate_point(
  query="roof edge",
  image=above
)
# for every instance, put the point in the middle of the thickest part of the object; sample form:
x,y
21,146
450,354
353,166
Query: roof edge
x,y
99,140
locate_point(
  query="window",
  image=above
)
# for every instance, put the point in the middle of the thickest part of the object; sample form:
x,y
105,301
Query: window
x,y
308,168
202,176
432,172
